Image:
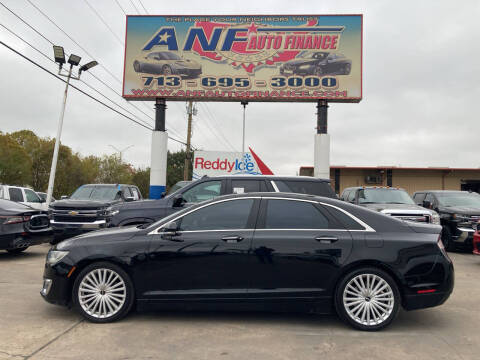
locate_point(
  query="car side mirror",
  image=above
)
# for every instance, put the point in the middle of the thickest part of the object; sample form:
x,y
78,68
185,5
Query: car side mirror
x,y
178,201
427,204
171,228
63,197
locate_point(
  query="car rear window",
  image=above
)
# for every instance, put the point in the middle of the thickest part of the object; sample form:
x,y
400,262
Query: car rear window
x,y
319,188
15,194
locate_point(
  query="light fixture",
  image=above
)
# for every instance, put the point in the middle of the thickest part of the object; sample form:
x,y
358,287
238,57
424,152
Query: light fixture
x,y
88,66
74,60
59,54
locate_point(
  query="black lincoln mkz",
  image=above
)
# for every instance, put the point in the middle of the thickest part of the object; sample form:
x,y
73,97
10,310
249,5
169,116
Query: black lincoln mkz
x,y
257,251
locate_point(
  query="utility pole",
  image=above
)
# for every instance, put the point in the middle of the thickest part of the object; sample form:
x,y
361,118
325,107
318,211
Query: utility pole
x,y
189,139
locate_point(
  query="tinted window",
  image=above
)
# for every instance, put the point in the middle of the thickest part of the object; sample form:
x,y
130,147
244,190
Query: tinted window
x,y
344,219
222,216
96,192
245,186
15,194
290,214
351,196
204,191
462,198
306,187
418,198
345,194
31,196
127,192
384,196
430,198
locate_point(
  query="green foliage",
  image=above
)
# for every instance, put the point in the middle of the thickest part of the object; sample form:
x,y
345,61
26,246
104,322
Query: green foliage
x,y
26,159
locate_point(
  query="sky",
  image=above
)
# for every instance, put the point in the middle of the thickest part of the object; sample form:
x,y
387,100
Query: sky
x,y
420,86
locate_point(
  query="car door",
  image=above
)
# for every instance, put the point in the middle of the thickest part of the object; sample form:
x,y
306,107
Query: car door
x,y
208,257
298,248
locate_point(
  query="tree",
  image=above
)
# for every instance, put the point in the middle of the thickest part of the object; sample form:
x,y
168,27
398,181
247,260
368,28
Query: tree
x,y
15,164
141,178
113,171
175,165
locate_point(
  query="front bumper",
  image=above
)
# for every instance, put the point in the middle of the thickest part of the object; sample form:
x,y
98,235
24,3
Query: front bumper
x,y
68,229
57,287
476,243
463,235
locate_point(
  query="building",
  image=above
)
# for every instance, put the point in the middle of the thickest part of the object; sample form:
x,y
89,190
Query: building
x,y
409,178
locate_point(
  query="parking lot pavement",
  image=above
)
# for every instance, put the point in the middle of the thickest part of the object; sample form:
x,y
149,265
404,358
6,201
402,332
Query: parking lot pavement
x,y
32,329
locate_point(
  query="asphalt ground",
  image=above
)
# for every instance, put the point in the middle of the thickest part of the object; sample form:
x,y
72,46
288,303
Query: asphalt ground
x,y
30,328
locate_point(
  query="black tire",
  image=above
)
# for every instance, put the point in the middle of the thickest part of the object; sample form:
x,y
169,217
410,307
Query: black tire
x,y
447,239
389,316
17,250
129,292
167,70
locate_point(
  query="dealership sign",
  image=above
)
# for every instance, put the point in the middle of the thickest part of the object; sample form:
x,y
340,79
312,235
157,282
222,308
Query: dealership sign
x,y
214,163
244,58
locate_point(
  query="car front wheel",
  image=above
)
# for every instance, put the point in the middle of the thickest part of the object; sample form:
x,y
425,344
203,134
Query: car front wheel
x,y
368,299
103,292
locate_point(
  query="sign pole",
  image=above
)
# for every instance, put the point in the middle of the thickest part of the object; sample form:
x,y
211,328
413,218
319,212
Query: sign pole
x,y
322,142
244,103
189,139
158,165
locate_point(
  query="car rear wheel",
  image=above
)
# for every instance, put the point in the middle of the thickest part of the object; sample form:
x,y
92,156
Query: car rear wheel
x,y
103,292
17,250
368,299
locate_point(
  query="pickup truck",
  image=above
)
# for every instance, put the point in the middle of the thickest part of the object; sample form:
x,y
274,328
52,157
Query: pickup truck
x,y
88,208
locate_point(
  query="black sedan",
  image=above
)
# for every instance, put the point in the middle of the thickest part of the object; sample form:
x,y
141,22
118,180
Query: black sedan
x,y
22,226
318,63
257,251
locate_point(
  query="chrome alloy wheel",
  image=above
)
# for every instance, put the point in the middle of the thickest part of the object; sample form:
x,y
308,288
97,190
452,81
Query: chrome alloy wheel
x,y
102,293
368,299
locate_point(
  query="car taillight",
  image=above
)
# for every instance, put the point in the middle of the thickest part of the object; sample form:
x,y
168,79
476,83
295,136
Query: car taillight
x,y
441,247
8,220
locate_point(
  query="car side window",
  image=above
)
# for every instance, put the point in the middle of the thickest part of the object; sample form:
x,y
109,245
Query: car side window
x,y
227,215
1,193
345,194
31,196
245,186
430,198
292,214
136,195
418,198
348,222
204,191
351,196
15,194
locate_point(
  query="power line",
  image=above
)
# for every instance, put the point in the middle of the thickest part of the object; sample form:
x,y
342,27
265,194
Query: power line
x,y
104,22
131,2
120,6
146,11
217,127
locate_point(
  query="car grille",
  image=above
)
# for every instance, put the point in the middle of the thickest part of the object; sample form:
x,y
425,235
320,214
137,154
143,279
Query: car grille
x,y
38,222
75,215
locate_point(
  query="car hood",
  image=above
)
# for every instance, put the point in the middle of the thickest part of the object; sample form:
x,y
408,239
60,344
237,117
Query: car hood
x,y
397,208
81,204
99,237
466,210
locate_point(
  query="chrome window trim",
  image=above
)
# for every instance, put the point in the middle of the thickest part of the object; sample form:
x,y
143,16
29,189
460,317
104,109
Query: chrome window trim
x,y
367,228
275,187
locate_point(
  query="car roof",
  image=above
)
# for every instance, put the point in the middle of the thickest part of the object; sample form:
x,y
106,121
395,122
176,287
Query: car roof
x,y
268,177
442,191
374,187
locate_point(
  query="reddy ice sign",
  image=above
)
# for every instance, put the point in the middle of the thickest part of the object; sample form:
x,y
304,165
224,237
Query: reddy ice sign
x,y
214,163
249,58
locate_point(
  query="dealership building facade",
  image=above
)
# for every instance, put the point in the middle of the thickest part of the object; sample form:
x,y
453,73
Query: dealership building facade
x,y
409,178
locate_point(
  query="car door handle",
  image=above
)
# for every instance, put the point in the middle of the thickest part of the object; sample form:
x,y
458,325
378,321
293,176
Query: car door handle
x,y
232,239
326,239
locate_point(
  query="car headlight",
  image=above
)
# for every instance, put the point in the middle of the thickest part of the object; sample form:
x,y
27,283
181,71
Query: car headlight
x,y
54,256
110,211
305,66
435,219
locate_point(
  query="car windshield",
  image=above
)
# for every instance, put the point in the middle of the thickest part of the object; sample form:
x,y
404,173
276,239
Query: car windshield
x,y
177,186
459,199
95,192
170,56
384,196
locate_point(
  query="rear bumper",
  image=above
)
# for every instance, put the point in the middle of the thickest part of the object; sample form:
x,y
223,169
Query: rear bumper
x,y
20,240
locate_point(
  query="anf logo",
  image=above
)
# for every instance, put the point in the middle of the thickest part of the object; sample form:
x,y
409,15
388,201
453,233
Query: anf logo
x,y
164,37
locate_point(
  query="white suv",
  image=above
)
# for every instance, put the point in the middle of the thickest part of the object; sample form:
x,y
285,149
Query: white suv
x,y
22,195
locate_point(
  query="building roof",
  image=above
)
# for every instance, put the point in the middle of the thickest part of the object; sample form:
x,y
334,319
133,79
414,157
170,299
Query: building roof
x,y
395,168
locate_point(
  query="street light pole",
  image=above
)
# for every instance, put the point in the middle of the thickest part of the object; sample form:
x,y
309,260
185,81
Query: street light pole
x,y
53,169
244,103
73,60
